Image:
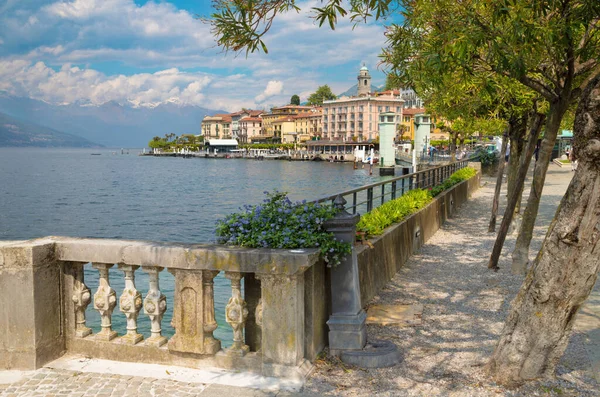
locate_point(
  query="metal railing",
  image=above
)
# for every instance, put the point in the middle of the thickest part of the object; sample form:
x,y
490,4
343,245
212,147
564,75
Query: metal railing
x,y
368,197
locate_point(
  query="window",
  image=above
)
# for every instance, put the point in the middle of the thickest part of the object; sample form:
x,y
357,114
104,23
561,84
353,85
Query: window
x,y
397,109
387,108
360,108
365,82
379,109
406,119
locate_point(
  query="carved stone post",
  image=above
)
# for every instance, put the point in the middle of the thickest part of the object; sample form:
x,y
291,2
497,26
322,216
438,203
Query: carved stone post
x,y
282,317
130,304
155,306
236,314
105,300
211,345
81,299
347,329
193,297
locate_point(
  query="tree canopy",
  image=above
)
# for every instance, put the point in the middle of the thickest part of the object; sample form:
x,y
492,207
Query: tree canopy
x,y
323,93
295,100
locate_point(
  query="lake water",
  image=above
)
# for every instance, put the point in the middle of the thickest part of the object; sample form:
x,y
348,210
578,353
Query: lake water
x,y
70,192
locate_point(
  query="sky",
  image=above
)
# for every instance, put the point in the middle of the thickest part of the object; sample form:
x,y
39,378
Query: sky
x,y
151,52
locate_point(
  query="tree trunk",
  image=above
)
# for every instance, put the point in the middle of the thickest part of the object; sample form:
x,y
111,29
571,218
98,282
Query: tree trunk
x,y
536,126
517,139
453,137
520,255
538,327
492,225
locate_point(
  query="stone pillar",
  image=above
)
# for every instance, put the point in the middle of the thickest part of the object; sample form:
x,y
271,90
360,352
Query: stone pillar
x,y
130,304
105,300
282,319
31,314
347,321
236,313
81,298
192,334
155,306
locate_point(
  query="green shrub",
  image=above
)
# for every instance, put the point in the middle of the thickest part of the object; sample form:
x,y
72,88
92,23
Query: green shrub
x,y
459,176
373,223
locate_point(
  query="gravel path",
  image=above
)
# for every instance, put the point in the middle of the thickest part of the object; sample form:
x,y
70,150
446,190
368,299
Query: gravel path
x,y
465,306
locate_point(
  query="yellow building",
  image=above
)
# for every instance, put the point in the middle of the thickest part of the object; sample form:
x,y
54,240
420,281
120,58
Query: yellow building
x,y
284,130
309,125
408,125
216,127
276,114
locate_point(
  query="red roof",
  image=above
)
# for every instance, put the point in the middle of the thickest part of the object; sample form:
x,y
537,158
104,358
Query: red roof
x,y
412,111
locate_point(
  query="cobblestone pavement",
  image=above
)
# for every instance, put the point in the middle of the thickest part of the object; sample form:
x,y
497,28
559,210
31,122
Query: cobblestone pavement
x,y
55,382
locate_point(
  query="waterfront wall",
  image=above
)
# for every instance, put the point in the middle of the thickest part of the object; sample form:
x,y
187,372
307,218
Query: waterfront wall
x,y
44,298
378,264
278,320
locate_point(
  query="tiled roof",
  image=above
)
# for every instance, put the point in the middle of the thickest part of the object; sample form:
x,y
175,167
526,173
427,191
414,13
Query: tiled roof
x,y
412,111
248,118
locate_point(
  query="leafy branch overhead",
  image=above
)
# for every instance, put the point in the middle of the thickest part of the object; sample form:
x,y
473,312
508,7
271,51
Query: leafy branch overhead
x,y
240,25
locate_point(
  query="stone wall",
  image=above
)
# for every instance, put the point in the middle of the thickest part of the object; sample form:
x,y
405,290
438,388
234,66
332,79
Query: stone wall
x,y
378,265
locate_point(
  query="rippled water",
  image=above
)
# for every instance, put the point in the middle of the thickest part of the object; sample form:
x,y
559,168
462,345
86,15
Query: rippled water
x,y
69,192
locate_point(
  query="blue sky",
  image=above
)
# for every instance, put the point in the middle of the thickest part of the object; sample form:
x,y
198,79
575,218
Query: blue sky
x,y
151,52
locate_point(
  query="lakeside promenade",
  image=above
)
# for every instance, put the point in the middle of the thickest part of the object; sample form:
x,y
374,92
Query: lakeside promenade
x,y
464,307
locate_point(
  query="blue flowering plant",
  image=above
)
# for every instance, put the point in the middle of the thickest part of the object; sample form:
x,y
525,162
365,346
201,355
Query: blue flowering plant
x,y
280,223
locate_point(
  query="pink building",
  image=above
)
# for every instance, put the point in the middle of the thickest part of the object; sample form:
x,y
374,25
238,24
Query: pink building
x,y
249,128
356,119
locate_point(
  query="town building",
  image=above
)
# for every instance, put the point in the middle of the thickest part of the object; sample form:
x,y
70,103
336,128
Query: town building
x,y
217,126
356,119
236,130
249,128
281,112
309,125
411,100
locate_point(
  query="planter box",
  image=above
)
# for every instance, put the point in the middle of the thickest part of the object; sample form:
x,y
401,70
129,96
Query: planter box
x,y
378,265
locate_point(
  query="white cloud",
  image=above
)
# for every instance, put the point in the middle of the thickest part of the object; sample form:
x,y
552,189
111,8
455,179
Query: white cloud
x,y
72,84
40,39
274,87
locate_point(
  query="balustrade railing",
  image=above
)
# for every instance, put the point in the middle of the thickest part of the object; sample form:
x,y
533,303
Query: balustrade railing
x,y
265,313
365,198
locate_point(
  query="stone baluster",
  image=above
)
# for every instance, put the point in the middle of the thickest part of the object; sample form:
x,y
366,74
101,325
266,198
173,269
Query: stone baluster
x,y
155,306
236,314
130,304
81,299
105,300
211,345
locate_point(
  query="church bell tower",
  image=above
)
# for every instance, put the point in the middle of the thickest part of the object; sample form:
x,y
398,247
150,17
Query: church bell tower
x,y
364,81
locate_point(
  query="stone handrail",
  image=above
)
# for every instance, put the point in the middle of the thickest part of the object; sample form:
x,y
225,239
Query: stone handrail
x,y
44,281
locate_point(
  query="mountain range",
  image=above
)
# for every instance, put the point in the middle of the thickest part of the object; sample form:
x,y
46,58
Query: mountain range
x,y
353,91
15,132
111,124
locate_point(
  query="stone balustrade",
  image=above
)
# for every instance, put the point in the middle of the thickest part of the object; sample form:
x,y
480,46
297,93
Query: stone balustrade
x,y
278,321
